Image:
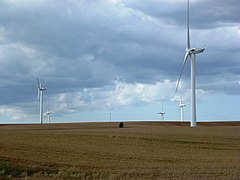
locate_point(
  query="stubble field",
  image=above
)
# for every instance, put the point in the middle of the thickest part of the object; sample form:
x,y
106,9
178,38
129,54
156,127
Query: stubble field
x,y
140,150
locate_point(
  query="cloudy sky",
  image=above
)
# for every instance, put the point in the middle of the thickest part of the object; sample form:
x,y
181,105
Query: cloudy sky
x,y
118,56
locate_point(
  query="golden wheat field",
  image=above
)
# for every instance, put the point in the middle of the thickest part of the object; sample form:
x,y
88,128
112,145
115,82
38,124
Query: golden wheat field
x,y
140,150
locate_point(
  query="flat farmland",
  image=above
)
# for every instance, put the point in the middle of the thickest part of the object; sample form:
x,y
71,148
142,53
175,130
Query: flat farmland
x,y
140,150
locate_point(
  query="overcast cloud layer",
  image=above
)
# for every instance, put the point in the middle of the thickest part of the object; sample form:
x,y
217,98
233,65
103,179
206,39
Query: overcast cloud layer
x,y
110,54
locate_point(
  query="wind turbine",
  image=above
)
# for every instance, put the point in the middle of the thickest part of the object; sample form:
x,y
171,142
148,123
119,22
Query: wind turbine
x,y
181,106
40,99
190,52
162,113
48,114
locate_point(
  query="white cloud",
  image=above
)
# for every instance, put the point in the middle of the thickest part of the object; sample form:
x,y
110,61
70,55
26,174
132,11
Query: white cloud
x,y
139,93
12,113
121,95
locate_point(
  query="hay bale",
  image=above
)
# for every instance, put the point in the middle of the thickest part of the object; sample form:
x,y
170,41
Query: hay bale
x,y
121,124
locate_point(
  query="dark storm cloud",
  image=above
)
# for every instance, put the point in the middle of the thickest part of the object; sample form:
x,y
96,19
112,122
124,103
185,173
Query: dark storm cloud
x,y
68,39
203,14
66,35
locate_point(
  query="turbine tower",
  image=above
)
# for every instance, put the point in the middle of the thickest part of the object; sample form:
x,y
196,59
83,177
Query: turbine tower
x,y
40,99
181,106
191,53
162,113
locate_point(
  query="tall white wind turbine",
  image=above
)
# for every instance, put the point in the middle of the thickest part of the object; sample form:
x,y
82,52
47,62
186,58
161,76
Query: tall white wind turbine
x,y
40,99
191,53
181,106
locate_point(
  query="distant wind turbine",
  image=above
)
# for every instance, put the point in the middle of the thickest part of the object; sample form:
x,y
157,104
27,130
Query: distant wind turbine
x,y
190,52
40,99
181,106
162,113
48,114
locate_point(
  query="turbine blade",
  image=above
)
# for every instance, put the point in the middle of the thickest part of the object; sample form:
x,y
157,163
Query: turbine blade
x,y
188,34
38,97
184,62
38,82
45,115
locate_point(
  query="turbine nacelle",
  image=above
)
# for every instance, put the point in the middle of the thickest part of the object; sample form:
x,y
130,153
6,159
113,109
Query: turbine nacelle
x,y
47,113
194,50
182,105
42,89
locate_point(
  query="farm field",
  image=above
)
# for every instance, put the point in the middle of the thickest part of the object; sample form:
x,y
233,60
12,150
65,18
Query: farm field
x,y
140,150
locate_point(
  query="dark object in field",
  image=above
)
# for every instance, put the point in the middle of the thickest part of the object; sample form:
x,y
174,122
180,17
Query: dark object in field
x,y
121,124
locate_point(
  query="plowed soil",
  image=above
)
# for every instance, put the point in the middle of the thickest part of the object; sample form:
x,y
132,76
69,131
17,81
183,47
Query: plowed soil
x,y
140,150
